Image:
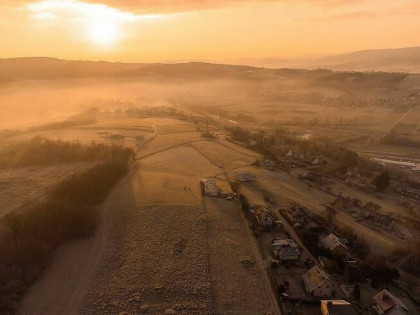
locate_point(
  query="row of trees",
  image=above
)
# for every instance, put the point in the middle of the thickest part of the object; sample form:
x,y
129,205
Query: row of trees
x,y
28,238
38,151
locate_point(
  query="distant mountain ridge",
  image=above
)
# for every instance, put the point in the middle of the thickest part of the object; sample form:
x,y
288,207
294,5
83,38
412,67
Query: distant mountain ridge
x,y
57,69
52,68
395,60
387,60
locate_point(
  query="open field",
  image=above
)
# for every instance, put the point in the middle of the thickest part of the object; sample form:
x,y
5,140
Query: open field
x,y
222,156
168,141
158,248
233,265
159,264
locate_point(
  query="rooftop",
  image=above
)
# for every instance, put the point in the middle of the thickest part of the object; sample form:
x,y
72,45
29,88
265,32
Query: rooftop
x,y
338,307
331,242
389,304
278,242
313,278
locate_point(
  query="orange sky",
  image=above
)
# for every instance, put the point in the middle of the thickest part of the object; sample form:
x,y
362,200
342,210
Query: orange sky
x,y
161,30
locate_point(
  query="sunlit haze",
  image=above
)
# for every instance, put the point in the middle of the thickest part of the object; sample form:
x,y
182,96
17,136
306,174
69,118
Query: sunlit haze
x,y
210,157
203,30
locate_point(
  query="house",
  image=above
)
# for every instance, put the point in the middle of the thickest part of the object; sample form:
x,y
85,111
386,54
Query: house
x,y
385,303
313,177
337,307
252,143
285,249
210,187
317,283
384,221
409,192
342,202
278,243
263,216
295,214
268,164
288,254
334,245
244,177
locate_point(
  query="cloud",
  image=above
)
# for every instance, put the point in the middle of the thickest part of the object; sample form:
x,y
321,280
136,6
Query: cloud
x,y
73,9
190,5
346,16
169,6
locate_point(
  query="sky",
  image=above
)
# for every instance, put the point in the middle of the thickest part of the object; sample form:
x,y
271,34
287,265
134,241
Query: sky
x,y
211,30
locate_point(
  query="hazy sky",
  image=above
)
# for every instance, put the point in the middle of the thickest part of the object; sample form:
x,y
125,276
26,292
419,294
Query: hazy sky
x,y
160,30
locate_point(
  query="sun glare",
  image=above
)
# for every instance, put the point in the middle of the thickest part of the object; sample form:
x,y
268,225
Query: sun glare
x,y
102,32
101,25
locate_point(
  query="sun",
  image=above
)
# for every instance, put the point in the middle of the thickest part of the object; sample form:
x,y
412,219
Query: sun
x,y
103,32
98,24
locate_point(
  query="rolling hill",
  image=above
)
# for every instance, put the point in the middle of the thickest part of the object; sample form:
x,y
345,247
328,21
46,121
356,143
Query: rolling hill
x,y
387,60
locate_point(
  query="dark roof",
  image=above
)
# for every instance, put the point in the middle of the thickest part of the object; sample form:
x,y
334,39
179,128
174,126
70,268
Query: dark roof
x,y
341,309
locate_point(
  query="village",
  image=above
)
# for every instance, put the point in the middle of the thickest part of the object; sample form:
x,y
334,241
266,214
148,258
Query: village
x,y
315,265
320,276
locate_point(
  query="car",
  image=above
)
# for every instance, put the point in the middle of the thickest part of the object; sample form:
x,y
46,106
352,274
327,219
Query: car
x,y
228,198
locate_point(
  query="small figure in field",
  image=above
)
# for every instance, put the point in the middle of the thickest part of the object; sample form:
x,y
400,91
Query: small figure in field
x,y
185,187
189,188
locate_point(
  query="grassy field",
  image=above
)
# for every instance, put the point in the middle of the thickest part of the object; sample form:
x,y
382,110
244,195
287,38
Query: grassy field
x,y
158,246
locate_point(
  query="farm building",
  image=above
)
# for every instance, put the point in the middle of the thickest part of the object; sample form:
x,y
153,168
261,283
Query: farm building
x,y
244,177
263,216
385,303
210,187
337,307
317,283
334,245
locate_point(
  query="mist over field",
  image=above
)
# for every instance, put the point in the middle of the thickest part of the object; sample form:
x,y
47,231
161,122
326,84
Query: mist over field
x,y
209,157
107,148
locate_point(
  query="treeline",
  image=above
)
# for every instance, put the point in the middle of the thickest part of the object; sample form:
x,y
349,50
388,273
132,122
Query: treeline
x,y
397,139
340,159
27,239
44,151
